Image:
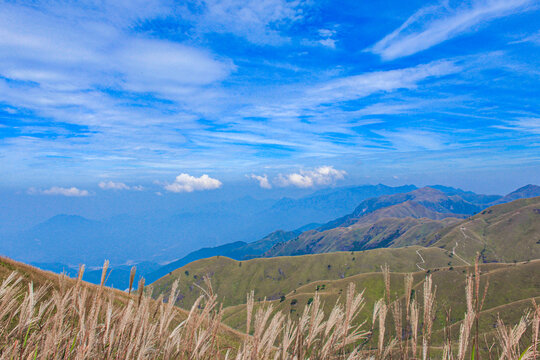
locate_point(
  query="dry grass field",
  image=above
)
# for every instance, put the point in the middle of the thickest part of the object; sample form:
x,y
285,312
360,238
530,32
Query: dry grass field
x,y
45,316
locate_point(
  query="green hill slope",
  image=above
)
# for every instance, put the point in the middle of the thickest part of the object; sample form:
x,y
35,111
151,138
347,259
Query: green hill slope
x,y
274,277
510,291
502,233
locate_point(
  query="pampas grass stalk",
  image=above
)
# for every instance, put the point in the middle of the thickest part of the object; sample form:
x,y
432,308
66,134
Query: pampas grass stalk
x,y
414,327
71,319
132,278
429,302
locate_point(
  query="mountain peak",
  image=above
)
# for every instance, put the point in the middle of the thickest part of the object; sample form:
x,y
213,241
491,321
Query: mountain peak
x,y
527,189
428,190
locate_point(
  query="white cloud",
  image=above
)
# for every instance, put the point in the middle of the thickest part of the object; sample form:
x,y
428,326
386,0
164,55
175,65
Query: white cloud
x,y
413,140
165,67
326,33
354,87
111,185
258,21
331,43
533,38
432,25
526,125
87,64
76,54
324,175
188,183
327,38
9,110
56,190
263,180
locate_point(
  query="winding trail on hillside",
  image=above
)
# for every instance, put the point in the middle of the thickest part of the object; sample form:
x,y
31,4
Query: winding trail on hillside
x,y
462,229
423,261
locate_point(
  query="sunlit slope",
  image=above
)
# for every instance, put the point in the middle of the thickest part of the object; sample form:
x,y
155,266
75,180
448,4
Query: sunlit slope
x,y
502,233
510,291
39,278
274,277
386,231
386,221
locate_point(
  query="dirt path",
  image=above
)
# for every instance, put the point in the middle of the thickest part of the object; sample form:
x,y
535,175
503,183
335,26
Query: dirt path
x,y
423,261
459,257
465,236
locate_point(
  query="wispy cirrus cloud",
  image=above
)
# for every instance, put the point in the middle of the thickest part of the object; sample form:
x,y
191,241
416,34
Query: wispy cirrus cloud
x,y
187,183
57,190
526,124
533,38
413,139
358,86
433,25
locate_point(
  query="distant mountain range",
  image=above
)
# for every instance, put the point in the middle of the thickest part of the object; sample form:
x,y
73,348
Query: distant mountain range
x,y
385,221
389,220
162,237
506,236
377,216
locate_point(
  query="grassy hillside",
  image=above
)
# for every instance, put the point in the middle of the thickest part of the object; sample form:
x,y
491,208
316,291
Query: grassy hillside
x,y
73,319
502,233
274,277
385,231
238,250
511,288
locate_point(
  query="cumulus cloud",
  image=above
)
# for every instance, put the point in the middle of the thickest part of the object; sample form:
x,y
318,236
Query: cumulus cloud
x,y
323,175
263,180
110,185
187,183
56,190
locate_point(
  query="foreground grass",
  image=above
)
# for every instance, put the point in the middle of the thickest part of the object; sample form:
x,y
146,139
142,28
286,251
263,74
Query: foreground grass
x,y
511,286
67,319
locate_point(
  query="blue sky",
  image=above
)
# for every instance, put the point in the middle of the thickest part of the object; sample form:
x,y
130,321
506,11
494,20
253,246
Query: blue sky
x,y
153,95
